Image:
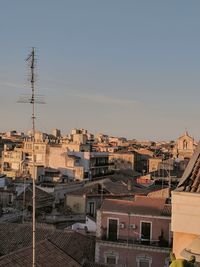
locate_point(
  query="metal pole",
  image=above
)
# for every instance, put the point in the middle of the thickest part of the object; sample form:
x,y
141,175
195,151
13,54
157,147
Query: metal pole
x,y
32,57
33,100
129,219
23,215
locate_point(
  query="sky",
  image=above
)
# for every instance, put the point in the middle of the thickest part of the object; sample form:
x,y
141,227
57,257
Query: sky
x,y
120,67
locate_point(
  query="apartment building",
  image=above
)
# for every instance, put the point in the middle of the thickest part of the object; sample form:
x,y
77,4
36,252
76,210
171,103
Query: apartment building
x,y
134,233
122,160
12,161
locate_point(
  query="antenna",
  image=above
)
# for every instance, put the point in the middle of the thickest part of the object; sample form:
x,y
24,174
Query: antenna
x,y
32,99
31,60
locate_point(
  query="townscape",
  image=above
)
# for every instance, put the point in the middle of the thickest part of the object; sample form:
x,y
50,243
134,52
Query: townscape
x,y
100,200
99,133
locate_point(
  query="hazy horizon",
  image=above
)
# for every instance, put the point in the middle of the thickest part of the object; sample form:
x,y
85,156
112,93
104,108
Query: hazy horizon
x,y
126,68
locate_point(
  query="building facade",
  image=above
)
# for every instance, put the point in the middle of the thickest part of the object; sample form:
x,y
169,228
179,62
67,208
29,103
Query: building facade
x,y
133,233
184,147
185,211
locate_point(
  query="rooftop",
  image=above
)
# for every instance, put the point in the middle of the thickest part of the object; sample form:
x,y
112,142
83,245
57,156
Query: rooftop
x,y
48,255
190,181
18,236
109,186
43,198
141,205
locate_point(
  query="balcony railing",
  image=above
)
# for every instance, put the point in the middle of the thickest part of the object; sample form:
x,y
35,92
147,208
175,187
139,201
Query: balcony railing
x,y
101,164
7,169
146,242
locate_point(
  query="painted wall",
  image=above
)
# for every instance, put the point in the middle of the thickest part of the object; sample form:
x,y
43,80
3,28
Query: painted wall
x,y
130,255
158,225
76,203
90,225
185,212
181,241
185,219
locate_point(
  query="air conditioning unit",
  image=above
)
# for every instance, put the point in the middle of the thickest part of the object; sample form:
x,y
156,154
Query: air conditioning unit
x,y
133,226
122,225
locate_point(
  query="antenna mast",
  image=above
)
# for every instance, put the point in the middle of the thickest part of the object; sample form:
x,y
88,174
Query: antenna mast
x,y
31,61
33,99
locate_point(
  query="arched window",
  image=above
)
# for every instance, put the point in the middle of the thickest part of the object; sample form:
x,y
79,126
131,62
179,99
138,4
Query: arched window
x,y
185,144
111,257
144,261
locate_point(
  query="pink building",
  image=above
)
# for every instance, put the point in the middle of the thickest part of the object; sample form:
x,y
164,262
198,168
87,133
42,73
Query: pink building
x,y
134,233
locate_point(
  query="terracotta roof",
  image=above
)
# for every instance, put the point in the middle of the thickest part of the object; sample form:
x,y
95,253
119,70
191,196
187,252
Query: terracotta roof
x,y
75,244
190,181
47,255
92,189
110,187
167,210
141,205
120,187
165,173
43,199
18,236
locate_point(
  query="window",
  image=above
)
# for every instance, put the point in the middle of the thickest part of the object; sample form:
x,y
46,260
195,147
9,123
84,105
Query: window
x,y
112,229
111,260
10,198
144,261
185,144
111,257
91,210
145,231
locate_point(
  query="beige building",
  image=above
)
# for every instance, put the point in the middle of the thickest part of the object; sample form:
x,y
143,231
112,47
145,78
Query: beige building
x,y
76,147
154,164
78,164
184,147
12,162
18,161
40,152
122,161
186,211
80,136
56,133
69,165
72,158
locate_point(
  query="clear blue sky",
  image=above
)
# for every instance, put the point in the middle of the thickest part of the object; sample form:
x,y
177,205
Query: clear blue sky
x,y
127,68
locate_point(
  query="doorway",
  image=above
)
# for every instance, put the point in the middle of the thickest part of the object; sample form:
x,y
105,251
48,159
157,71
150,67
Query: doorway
x,y
112,229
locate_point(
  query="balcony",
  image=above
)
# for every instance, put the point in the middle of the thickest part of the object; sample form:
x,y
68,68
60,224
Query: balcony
x,y
7,169
101,164
162,244
153,245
